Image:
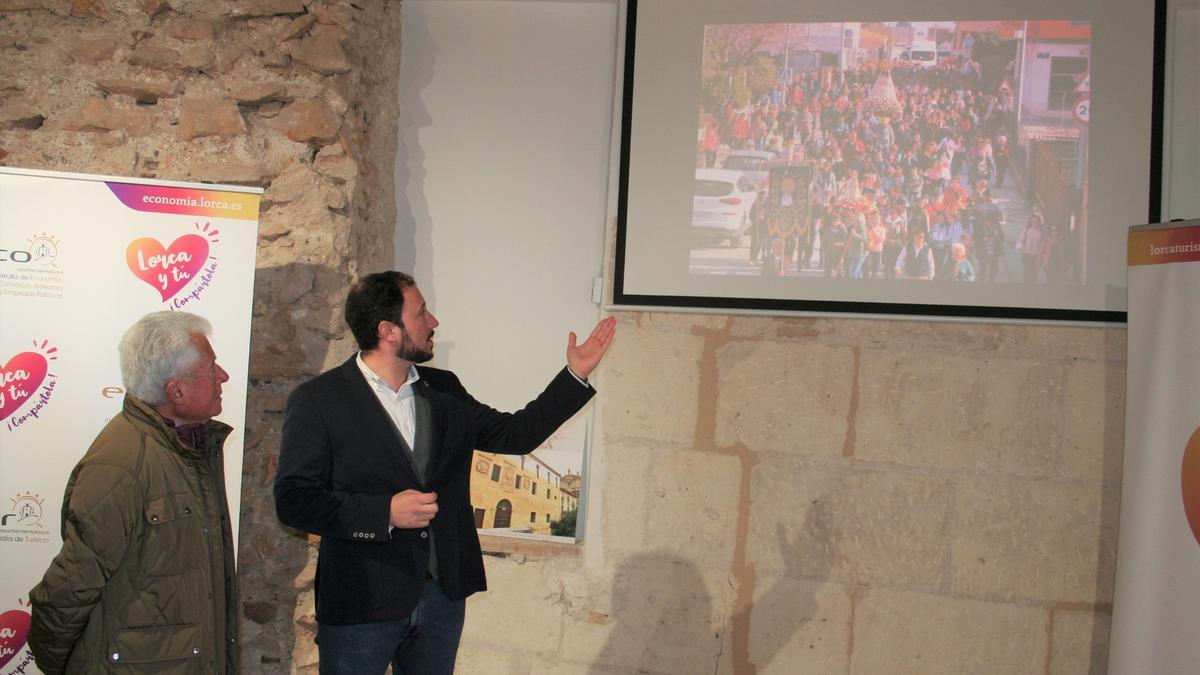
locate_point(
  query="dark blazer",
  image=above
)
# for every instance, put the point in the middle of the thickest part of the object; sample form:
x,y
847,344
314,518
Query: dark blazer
x,y
341,461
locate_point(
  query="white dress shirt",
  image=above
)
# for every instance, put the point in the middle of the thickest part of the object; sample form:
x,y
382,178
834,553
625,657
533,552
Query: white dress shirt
x,y
399,405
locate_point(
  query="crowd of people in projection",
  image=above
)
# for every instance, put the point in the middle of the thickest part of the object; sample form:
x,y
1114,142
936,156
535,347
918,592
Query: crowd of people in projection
x,y
900,190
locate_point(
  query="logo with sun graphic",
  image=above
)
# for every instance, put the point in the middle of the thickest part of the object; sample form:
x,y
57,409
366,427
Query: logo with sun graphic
x,y
187,264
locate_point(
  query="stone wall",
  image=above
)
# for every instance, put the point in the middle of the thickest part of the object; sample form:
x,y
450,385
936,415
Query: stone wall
x,y
297,96
827,496
786,495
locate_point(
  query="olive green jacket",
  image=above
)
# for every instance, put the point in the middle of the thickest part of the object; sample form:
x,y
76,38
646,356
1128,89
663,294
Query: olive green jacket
x,y
145,579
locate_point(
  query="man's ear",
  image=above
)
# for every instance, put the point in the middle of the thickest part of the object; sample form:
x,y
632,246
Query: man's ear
x,y
174,390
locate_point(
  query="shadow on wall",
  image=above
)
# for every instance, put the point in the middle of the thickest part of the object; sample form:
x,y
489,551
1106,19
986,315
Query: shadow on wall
x,y
413,226
667,621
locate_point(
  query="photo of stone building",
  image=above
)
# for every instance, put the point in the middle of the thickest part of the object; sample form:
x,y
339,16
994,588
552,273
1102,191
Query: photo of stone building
x,y
519,493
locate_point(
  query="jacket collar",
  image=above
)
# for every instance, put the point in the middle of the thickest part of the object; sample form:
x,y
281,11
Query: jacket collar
x,y
147,417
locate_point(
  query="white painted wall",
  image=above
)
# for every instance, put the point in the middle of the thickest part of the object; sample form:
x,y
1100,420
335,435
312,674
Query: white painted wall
x,y
502,181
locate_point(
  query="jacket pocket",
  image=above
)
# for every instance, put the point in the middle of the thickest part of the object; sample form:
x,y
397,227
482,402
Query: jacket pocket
x,y
161,645
173,538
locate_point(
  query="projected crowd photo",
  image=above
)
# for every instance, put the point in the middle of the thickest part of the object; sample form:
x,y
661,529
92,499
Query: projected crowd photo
x,y
946,151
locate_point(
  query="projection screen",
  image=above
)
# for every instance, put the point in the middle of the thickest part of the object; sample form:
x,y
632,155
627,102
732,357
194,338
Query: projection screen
x,y
964,159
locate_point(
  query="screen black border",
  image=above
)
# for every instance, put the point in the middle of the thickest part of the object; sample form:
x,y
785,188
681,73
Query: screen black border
x,y
773,305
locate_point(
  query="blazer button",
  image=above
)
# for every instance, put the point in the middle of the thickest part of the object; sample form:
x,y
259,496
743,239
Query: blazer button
x,y
424,535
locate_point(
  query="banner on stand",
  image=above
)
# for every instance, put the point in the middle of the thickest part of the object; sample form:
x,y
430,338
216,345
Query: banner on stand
x,y
81,259
1155,617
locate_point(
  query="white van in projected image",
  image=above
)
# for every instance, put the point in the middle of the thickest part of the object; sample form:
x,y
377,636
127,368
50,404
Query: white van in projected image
x,y
924,54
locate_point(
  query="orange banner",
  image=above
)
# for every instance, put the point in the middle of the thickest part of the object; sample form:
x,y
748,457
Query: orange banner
x,y
1168,245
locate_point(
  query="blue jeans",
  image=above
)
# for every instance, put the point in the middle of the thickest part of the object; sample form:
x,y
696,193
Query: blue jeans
x,y
425,643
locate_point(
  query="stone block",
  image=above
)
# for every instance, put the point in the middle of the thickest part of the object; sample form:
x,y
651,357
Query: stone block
x,y
652,384
296,180
682,322
335,198
258,93
481,657
92,50
20,115
154,56
248,9
561,664
1080,642
784,397
153,7
799,622
693,506
97,114
187,28
873,528
1017,539
296,27
141,91
667,617
1094,422
1080,342
764,327
322,51
993,415
308,120
236,173
928,337
333,162
196,57
209,117
626,496
520,590
336,14
93,9
899,632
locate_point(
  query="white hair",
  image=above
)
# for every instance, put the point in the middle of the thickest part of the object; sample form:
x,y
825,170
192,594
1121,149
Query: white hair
x,y
958,247
157,348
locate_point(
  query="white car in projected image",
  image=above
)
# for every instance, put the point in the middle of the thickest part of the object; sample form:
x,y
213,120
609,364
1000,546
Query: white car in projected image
x,y
753,163
722,206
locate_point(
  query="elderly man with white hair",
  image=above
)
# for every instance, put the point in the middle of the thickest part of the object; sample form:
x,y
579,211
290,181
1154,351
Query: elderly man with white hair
x,y
145,579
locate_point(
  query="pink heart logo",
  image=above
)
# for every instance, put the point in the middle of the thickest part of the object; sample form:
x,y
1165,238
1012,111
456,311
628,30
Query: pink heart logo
x,y
20,379
167,270
14,631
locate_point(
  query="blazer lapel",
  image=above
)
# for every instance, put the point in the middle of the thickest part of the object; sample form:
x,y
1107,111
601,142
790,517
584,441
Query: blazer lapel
x,y
435,431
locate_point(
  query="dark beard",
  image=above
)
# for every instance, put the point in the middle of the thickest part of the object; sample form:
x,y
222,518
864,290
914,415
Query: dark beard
x,y
407,351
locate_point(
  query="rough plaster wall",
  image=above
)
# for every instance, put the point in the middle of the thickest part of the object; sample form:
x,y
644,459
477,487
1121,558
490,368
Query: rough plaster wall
x,y
297,96
833,496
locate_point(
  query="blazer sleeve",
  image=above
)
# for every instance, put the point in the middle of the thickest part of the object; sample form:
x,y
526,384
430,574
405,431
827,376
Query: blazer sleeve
x,y
304,496
522,432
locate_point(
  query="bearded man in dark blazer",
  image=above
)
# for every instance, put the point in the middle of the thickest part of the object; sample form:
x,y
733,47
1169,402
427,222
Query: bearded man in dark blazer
x,y
375,459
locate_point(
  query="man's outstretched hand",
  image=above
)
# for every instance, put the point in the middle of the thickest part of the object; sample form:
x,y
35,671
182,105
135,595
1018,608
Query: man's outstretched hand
x,y
584,358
